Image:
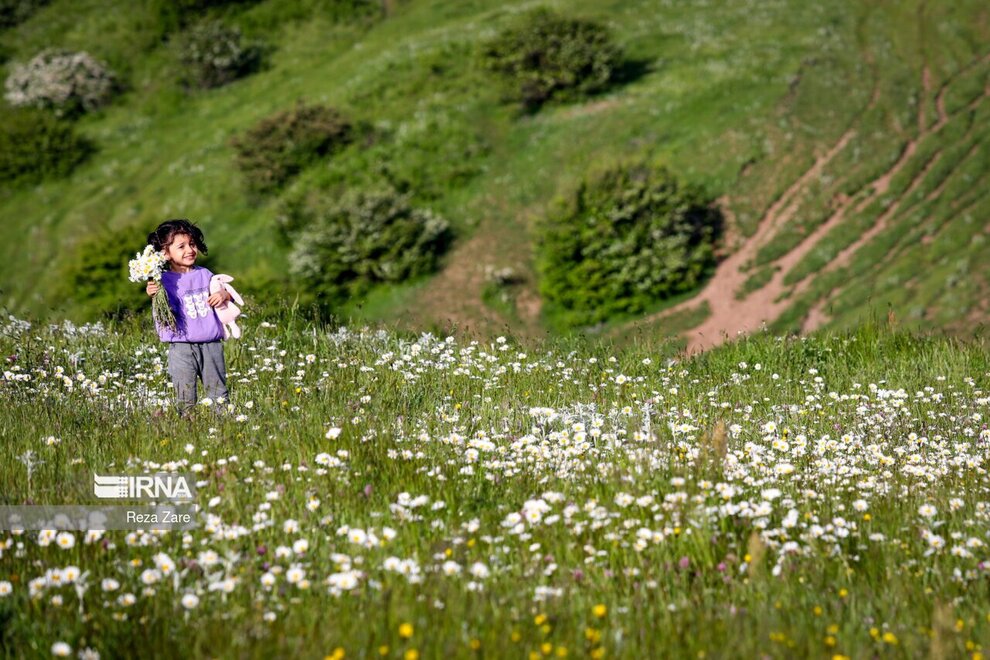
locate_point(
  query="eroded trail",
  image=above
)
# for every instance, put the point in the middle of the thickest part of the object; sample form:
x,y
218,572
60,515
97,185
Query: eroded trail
x,y
731,316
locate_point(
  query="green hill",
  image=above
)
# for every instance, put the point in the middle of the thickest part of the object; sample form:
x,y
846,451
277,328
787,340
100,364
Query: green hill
x,y
846,141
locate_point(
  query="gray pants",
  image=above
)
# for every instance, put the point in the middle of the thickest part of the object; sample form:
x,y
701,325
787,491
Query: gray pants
x,y
186,361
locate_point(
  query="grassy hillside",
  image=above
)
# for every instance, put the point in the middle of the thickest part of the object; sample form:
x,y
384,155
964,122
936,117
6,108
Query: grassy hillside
x,y
744,98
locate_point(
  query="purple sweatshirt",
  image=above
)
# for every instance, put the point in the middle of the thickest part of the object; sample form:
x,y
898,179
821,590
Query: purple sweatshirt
x,y
195,320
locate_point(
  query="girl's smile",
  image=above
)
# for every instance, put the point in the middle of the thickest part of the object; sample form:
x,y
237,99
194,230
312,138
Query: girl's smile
x,y
182,253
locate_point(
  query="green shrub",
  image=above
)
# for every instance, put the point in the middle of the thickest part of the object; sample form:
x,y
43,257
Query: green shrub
x,y
213,55
623,242
546,55
278,147
34,145
439,156
362,239
15,12
94,277
68,83
196,7
175,14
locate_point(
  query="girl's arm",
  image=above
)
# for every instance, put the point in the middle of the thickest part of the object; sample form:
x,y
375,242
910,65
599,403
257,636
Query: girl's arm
x,y
152,287
218,298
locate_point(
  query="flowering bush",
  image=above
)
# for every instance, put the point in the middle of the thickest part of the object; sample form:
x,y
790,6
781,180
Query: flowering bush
x,y
364,239
212,54
546,55
278,147
623,242
66,82
35,145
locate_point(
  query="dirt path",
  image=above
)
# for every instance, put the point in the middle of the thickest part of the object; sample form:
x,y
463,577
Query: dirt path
x,y
454,297
845,256
731,316
841,260
816,316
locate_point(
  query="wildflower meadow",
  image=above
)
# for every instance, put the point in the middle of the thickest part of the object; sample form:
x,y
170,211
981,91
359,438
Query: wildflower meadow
x,y
367,493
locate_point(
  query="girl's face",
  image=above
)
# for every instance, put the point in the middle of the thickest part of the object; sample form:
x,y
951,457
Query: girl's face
x,y
182,252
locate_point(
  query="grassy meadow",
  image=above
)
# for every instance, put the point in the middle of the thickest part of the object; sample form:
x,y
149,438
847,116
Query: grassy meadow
x,y
439,470
371,493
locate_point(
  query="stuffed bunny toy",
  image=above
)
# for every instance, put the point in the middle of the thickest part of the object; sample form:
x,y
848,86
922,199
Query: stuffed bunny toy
x,y
227,312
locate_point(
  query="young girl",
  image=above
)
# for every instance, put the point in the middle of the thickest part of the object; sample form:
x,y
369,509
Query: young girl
x,y
195,348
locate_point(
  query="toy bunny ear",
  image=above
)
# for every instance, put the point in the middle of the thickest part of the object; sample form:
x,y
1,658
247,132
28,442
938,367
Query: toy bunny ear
x,y
234,294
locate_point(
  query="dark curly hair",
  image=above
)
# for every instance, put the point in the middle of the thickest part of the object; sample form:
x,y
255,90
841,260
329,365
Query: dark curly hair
x,y
166,232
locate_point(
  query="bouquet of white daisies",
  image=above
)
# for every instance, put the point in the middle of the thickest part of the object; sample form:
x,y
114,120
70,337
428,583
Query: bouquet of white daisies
x,y
149,266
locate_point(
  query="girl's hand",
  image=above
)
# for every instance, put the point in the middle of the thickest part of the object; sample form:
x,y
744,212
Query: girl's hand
x,y
152,288
218,298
